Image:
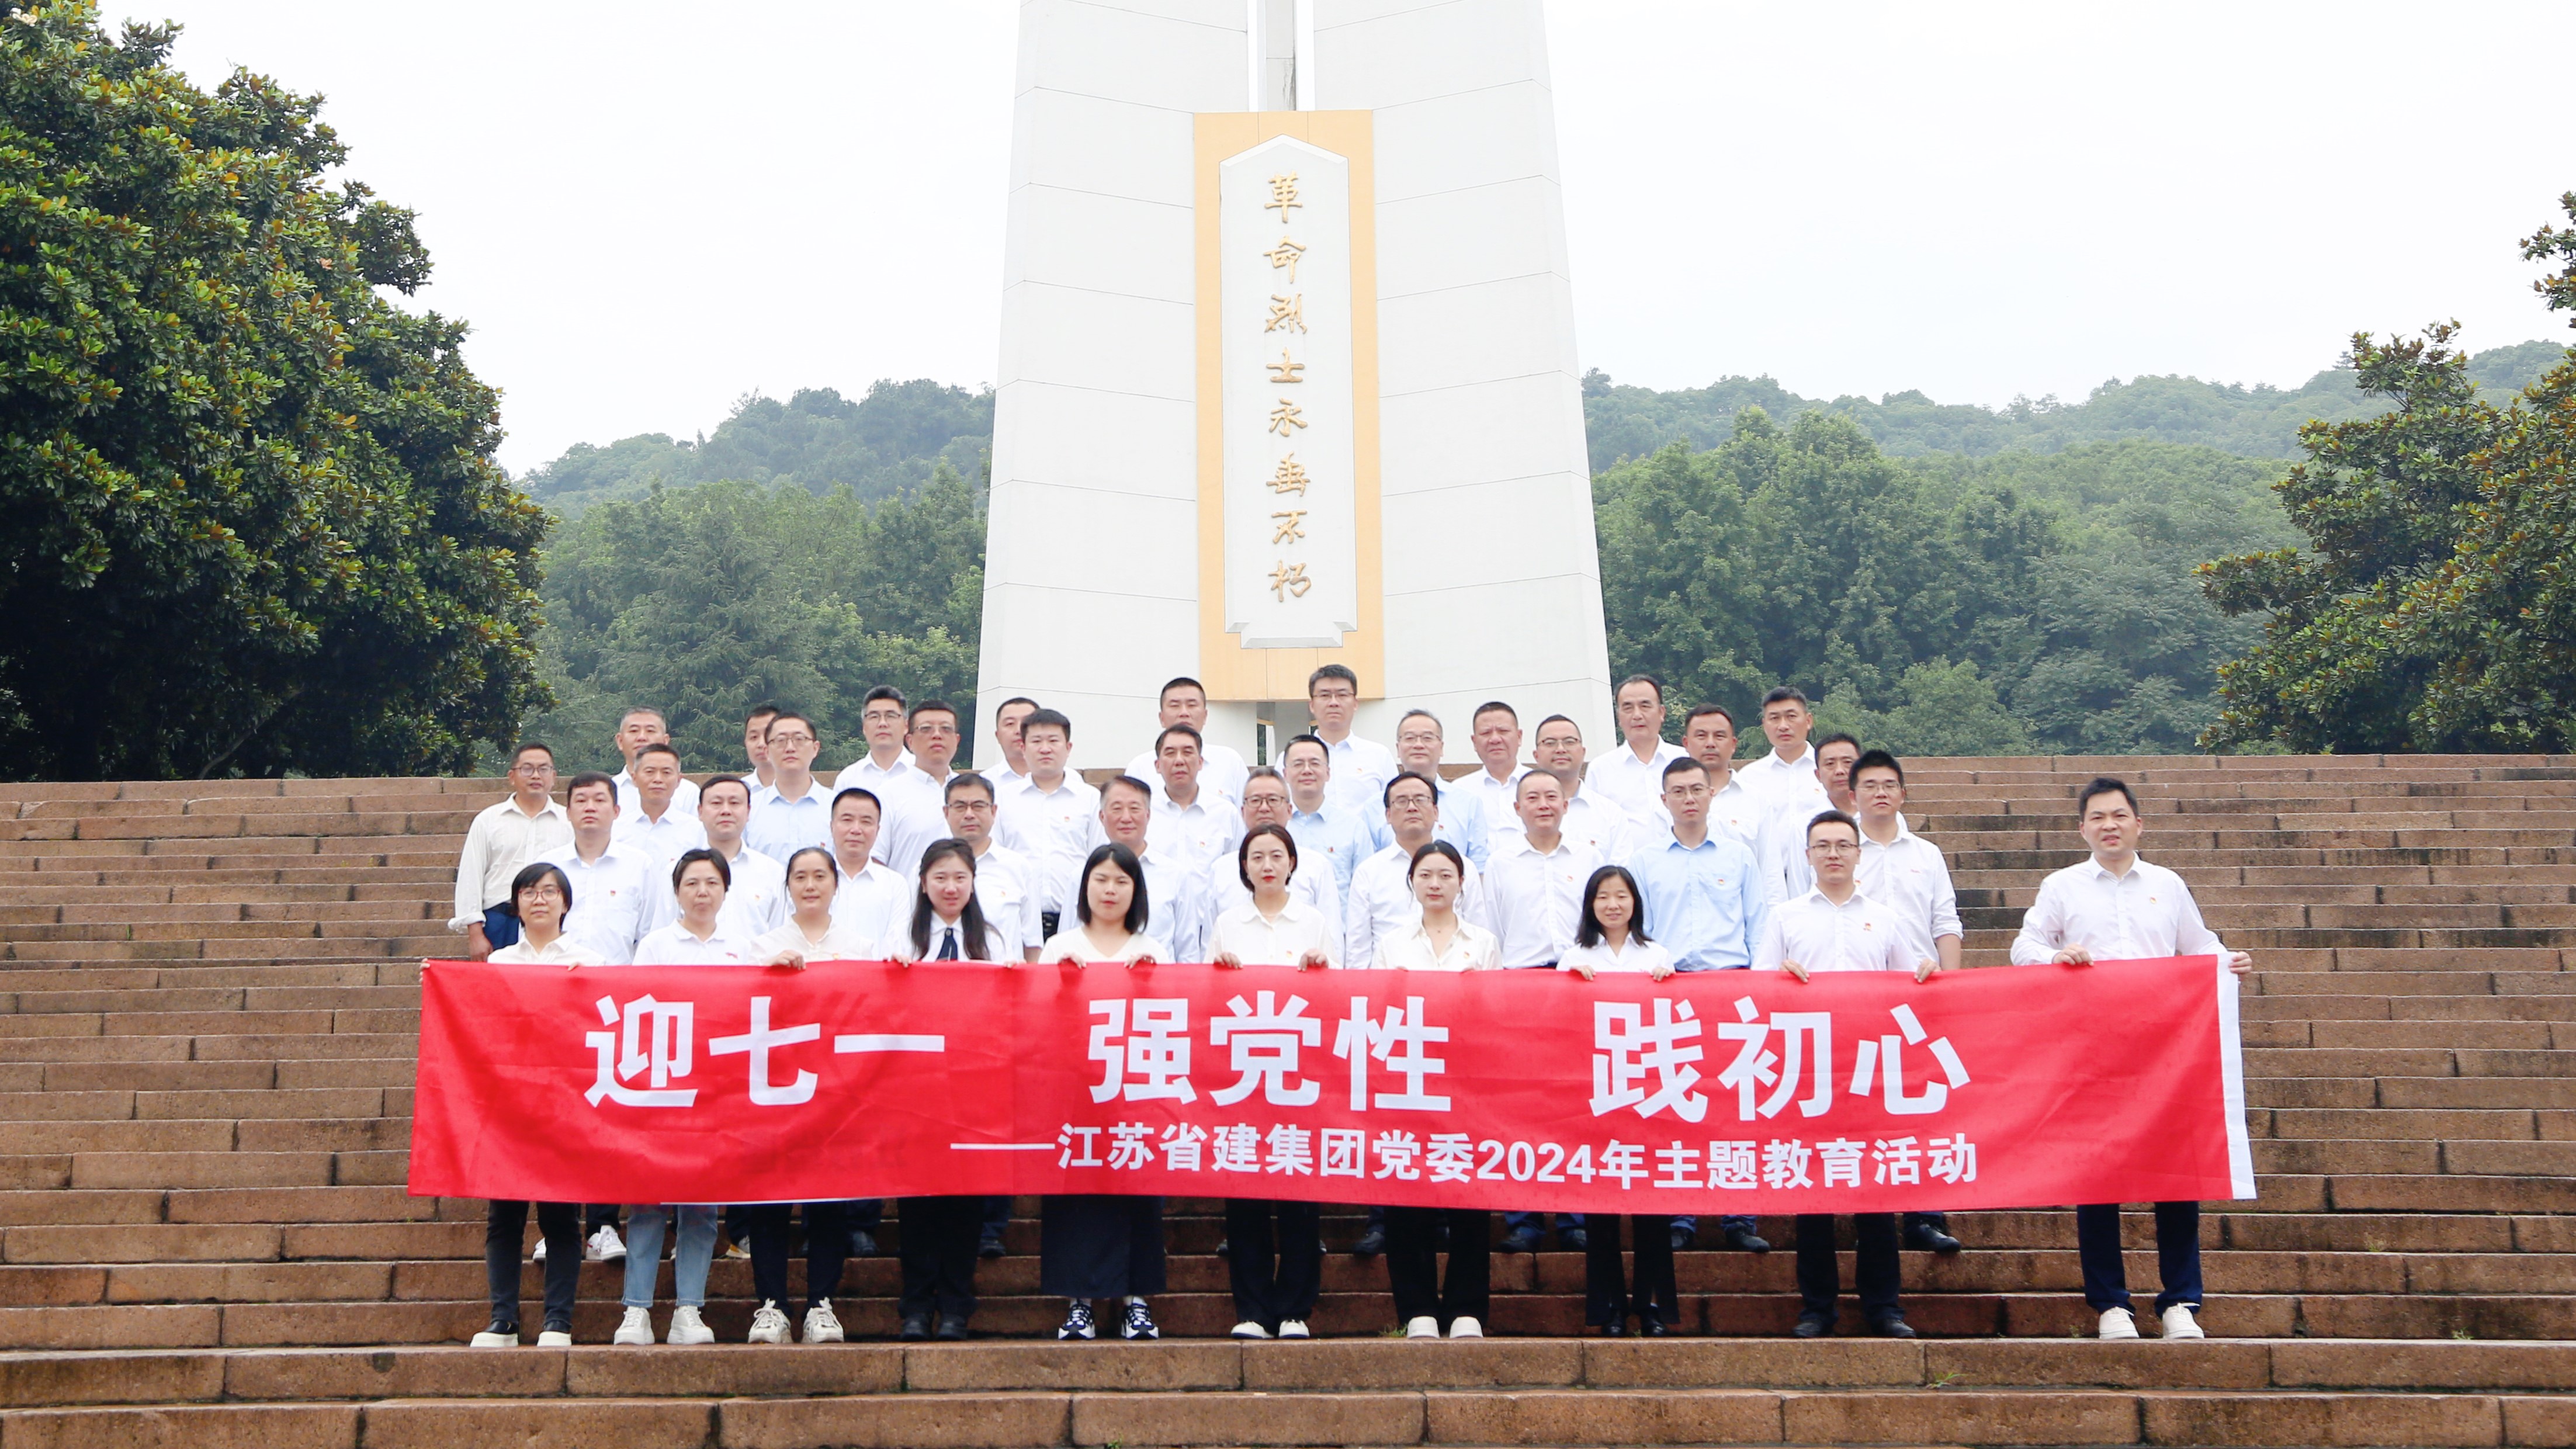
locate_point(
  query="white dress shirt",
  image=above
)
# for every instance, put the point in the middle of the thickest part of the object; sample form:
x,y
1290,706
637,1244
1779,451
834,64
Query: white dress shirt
x,y
1006,883
1635,786
838,943
1795,796
2146,913
1382,904
867,902
501,840
1361,769
561,951
1858,935
675,945
616,899
1535,901
1589,818
1908,876
1070,944
1049,826
1221,769
1001,941
1736,810
1473,949
757,900
1312,882
913,815
665,839
1206,828
1494,798
1639,956
1284,940
684,799
1176,900
780,827
864,773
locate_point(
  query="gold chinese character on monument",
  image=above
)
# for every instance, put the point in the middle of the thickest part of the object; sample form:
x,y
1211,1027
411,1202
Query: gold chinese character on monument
x,y
1286,369
1289,580
1291,477
1286,416
1285,255
1289,525
1283,196
1287,314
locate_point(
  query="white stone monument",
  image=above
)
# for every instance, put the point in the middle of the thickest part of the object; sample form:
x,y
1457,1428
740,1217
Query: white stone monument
x,y
1288,372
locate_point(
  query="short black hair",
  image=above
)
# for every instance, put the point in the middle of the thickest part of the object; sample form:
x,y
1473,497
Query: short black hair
x,y
882,691
1193,736
1647,680
969,780
1555,718
1489,707
1785,694
1882,760
658,748
782,717
762,708
709,786
1014,699
1829,817
1721,711
1386,796
863,793
588,778
540,746
1046,717
2104,785
1308,739
531,874
1838,738
680,867
931,706
1341,672
1682,764
1178,681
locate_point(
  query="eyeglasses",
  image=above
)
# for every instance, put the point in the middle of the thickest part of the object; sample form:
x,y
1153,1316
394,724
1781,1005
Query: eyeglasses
x,y
1834,847
776,740
970,805
547,892
527,769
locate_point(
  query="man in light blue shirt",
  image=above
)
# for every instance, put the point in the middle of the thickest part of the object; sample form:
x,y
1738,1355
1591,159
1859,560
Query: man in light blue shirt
x,y
1419,744
1703,902
1322,826
793,810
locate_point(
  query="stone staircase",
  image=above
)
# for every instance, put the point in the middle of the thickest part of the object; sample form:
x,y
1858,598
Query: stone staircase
x,y
205,1068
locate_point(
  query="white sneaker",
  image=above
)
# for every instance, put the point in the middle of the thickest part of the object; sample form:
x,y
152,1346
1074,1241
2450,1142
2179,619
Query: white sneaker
x,y
539,1255
768,1325
490,1339
2181,1322
554,1338
1466,1328
1423,1327
821,1324
1293,1328
1249,1329
687,1327
2119,1323
637,1327
605,1246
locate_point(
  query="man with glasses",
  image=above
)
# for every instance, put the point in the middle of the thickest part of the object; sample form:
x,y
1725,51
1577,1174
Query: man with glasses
x,y
1905,873
1361,767
881,722
1381,902
916,801
1419,744
793,810
503,838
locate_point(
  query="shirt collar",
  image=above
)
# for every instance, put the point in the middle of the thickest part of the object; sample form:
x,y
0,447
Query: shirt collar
x,y
2101,872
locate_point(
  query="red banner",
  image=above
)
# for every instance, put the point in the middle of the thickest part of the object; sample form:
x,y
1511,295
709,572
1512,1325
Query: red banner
x,y
1723,1092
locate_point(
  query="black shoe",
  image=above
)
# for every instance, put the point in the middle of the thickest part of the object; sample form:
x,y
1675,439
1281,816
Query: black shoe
x,y
1649,1326
1615,1328
1891,1325
1371,1243
991,1247
916,1328
1685,1235
1812,1324
1743,1241
1927,1238
1573,1240
1225,1247
1523,1239
863,1244
952,1330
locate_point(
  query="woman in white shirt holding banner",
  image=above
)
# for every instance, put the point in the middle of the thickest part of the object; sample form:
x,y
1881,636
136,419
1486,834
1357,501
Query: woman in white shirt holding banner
x,y
540,898
1610,939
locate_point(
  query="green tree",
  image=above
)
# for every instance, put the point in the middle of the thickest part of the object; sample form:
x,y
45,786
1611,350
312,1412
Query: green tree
x,y
254,522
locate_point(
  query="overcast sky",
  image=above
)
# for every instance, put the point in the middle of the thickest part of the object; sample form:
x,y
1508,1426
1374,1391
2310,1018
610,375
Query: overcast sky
x,y
647,210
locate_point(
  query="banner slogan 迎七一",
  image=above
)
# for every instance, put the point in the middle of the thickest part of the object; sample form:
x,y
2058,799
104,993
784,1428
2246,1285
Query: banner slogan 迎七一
x,y
1729,1091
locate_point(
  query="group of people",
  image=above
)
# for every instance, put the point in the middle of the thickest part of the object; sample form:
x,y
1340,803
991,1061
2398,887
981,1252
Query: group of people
x,y
1657,858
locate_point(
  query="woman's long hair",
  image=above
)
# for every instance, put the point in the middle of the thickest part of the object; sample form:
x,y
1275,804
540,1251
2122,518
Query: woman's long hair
x,y
1139,911
970,920
1589,933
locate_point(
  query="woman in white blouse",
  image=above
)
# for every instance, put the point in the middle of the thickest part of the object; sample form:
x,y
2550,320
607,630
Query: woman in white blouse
x,y
540,895
700,937
1091,1245
947,920
1442,940
1610,939
809,933
1276,1275
1273,928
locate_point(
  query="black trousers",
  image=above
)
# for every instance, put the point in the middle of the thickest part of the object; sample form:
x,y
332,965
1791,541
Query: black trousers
x,y
1273,1278
1413,1264
940,1235
1605,1290
1820,1279
1096,1246
2106,1275
827,1249
503,1231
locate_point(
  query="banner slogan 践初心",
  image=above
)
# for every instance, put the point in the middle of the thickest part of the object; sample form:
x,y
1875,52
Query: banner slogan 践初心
x,y
1728,1091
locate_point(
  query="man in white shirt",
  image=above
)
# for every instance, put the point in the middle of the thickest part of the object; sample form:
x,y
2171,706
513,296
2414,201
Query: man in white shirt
x,y
1361,767
1010,767
1905,873
1632,775
1833,927
1175,885
1708,736
652,821
1324,826
1534,887
1381,901
881,724
755,745
916,800
1005,880
1191,821
1495,732
2115,907
870,896
1266,802
618,896
756,902
1419,744
1835,756
1047,816
502,838
793,810
1787,775
1221,767
1589,817
637,728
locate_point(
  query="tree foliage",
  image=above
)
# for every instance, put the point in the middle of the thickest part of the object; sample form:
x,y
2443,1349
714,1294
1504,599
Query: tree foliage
x,y
705,601
253,518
